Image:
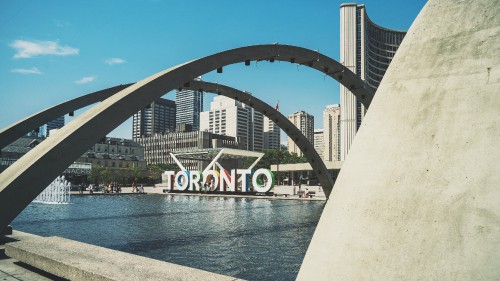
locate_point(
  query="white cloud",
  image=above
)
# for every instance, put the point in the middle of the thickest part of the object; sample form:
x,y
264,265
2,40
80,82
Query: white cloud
x,y
28,49
85,79
32,70
112,61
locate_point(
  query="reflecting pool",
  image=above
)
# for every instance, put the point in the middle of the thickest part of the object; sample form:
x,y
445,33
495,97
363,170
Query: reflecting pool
x,y
254,239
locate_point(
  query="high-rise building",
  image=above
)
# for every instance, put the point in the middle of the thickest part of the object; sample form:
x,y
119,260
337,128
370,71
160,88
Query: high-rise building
x,y
233,118
366,49
157,117
305,122
271,134
189,105
331,123
319,142
55,124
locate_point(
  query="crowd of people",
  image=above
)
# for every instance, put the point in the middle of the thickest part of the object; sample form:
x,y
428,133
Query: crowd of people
x,y
137,189
112,187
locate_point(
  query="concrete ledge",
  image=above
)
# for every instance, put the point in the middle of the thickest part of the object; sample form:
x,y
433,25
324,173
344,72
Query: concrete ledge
x,y
79,261
6,231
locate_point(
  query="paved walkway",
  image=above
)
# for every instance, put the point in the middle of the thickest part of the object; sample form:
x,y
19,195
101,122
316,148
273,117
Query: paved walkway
x,y
289,191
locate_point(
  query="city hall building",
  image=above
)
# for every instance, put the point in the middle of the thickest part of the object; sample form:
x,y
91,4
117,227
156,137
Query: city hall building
x,y
366,49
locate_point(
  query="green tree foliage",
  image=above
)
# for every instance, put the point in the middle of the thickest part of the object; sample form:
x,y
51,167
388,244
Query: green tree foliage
x,y
155,171
106,175
123,176
95,173
274,157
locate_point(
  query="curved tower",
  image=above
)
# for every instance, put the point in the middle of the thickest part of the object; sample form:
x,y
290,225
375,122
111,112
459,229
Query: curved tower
x,y
367,49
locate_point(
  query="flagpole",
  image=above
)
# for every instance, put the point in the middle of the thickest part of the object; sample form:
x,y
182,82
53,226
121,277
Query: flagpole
x,y
279,151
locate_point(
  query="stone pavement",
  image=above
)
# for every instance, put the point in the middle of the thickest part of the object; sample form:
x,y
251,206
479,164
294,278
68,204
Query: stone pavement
x,y
290,191
80,261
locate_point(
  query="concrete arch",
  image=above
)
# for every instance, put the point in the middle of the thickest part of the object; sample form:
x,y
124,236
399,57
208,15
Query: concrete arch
x,y
22,127
36,170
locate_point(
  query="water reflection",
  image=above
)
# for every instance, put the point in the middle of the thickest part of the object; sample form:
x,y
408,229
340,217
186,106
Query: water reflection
x,y
252,239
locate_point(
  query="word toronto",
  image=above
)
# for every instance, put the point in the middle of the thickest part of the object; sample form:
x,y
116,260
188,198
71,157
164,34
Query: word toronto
x,y
262,180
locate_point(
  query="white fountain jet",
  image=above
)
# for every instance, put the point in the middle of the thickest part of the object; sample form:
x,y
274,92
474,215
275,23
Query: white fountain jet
x,y
56,193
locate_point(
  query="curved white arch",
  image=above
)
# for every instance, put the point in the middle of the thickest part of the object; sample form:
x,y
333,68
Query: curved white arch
x,y
36,169
22,127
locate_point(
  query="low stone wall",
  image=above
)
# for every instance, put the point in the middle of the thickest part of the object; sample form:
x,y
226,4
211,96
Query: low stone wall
x,y
79,261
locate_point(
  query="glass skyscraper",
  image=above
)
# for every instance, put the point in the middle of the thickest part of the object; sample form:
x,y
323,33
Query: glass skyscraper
x,y
158,117
54,124
189,105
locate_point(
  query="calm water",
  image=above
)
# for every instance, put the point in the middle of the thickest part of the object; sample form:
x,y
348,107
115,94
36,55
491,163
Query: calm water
x,y
254,239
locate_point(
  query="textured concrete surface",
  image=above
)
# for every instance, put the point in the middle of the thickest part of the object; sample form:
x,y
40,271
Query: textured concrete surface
x,y
11,269
47,160
418,198
79,261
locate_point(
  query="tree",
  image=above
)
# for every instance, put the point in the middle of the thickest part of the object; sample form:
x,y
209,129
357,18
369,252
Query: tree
x,y
156,170
133,174
275,157
95,173
165,167
106,175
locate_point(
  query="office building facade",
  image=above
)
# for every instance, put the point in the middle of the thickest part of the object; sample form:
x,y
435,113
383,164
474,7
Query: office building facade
x,y
157,148
110,153
189,106
305,122
233,118
115,153
272,136
58,123
157,117
331,124
366,49
319,142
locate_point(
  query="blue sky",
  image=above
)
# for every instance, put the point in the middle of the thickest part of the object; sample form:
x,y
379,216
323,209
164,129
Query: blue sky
x,y
53,51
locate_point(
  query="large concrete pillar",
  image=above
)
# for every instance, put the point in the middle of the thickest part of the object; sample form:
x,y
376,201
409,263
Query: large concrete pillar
x,y
418,198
